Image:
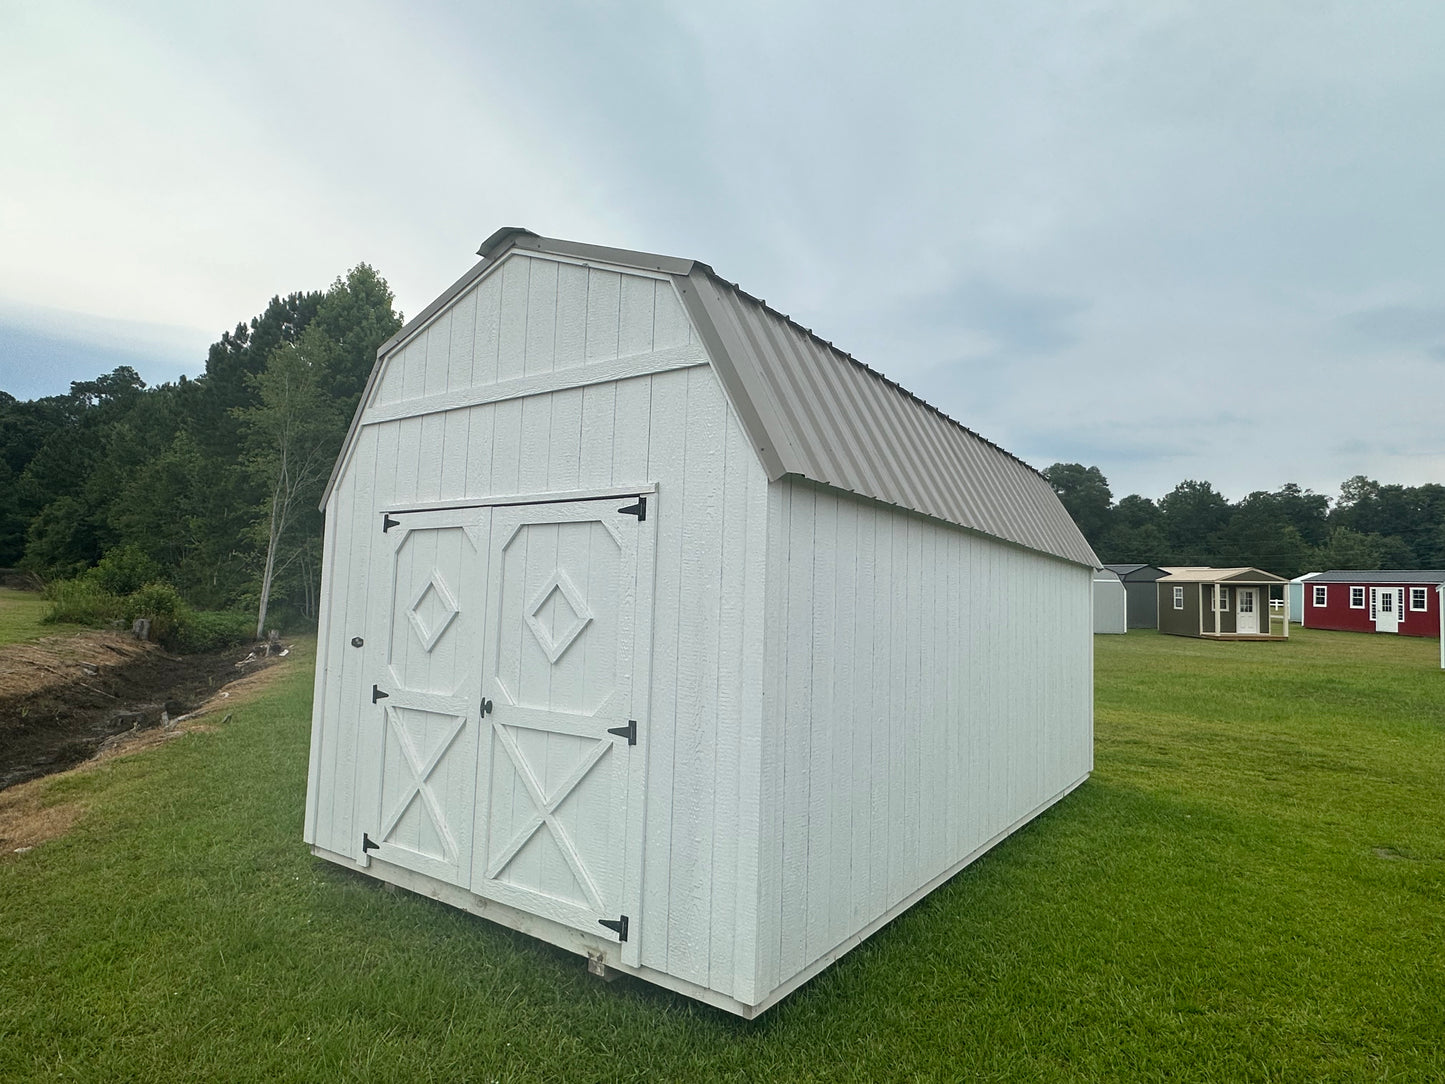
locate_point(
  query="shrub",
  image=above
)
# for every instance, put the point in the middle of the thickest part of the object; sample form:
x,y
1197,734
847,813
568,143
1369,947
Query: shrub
x,y
82,602
124,571
162,605
211,630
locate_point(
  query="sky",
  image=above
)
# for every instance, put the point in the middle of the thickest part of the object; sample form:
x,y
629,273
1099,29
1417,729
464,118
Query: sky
x,y
1171,239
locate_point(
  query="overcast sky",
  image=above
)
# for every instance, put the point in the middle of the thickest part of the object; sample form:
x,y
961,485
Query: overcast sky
x,y
1172,239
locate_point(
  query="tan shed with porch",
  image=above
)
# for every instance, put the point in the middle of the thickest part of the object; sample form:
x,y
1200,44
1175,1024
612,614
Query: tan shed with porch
x,y
1220,604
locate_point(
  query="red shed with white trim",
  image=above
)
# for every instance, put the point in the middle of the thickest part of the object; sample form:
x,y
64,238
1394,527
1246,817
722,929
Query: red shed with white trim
x,y
1400,601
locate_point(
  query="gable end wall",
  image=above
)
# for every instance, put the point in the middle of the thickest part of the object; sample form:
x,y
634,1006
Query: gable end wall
x,y
554,377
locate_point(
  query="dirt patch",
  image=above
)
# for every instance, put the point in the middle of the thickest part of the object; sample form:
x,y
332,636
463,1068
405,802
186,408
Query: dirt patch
x,y
64,699
35,676
27,820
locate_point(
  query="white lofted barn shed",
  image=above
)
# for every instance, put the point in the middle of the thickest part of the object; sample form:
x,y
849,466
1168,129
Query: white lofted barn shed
x,y
659,628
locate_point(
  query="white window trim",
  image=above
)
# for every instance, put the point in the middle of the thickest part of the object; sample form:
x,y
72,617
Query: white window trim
x,y
1320,595
1357,605
1424,594
1178,597
1221,599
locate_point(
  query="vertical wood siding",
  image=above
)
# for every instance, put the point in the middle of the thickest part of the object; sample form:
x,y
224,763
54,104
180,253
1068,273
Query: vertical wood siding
x,y
532,317
925,689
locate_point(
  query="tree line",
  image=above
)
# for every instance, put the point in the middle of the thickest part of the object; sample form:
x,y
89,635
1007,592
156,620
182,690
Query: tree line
x,y
210,484
1289,531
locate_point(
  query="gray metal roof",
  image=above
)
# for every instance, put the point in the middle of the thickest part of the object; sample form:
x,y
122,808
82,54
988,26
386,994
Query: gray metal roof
x,y
813,411
1388,575
1136,573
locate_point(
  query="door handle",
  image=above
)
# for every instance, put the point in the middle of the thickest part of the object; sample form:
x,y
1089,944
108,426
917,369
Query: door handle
x,y
486,707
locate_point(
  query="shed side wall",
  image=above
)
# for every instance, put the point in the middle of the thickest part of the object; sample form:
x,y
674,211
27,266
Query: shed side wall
x,y
1143,604
1183,622
1337,614
1110,607
926,689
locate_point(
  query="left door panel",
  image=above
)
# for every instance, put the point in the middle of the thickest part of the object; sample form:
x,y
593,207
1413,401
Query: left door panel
x,y
422,704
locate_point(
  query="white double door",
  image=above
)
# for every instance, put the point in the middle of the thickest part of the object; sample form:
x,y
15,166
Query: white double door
x,y
508,649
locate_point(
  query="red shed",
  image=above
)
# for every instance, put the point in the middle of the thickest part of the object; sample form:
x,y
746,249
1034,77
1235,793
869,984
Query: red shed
x,y
1401,601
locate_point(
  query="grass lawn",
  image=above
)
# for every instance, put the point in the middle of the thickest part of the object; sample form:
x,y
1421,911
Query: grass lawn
x,y
1250,888
20,614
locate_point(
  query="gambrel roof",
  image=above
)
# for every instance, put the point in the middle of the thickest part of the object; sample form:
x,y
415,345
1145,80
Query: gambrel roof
x,y
813,411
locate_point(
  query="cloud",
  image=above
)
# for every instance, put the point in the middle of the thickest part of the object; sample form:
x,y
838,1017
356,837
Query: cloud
x,y
1012,323
1091,232
1401,325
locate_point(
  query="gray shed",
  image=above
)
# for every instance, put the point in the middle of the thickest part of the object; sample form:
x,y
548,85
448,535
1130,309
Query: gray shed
x,y
1138,583
659,628
1110,603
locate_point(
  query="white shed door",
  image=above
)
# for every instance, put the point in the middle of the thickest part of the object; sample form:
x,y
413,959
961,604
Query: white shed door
x,y
1387,602
559,818
423,642
1247,616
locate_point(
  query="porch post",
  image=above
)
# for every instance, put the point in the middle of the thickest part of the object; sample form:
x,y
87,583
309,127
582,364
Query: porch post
x,y
1216,609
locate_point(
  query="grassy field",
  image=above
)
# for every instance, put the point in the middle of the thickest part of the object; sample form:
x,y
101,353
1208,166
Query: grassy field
x,y
20,614
1250,888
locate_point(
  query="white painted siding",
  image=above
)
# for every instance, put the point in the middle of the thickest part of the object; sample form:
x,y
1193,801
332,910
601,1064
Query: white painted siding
x,y
926,690
530,324
1111,604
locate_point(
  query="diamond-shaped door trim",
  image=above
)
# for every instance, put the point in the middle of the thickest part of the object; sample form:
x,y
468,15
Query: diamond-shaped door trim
x,y
555,643
450,609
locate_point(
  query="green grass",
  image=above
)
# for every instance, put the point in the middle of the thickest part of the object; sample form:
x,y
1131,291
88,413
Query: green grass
x,y
21,617
1250,888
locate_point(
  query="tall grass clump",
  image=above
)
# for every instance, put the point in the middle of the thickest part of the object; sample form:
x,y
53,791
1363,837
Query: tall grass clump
x,y
81,601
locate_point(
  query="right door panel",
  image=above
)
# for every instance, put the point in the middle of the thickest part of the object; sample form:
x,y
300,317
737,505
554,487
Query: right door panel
x,y
560,796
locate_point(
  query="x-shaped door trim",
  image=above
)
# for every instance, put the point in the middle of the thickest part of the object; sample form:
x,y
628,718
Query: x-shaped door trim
x,y
420,776
544,808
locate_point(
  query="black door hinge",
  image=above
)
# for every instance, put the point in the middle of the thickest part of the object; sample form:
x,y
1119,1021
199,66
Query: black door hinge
x,y
367,844
629,731
387,523
377,694
639,509
617,926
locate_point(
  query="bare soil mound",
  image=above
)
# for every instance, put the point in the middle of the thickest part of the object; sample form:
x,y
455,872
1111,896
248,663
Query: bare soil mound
x,y
63,697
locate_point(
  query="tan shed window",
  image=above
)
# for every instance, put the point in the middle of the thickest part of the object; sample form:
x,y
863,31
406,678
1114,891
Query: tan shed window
x,y
1223,601
1179,598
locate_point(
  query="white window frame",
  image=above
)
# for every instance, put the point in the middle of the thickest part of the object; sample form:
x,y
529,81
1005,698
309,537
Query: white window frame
x,y
1178,597
1320,595
1360,605
1423,594
1221,599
